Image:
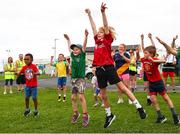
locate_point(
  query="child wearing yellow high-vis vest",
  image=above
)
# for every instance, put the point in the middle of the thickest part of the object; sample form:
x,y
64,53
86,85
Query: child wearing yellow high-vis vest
x,y
9,75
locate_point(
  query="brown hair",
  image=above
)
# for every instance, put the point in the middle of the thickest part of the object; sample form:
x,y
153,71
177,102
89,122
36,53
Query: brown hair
x,y
111,31
151,50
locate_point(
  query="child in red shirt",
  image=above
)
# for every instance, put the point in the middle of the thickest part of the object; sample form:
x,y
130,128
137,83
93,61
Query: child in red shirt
x,y
156,84
104,64
30,71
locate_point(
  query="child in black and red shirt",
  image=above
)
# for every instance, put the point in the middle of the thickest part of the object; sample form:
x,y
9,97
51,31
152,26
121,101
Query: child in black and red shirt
x,y
104,64
30,71
156,84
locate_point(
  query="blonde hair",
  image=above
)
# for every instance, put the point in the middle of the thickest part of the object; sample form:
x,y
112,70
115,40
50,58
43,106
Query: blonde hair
x,y
111,31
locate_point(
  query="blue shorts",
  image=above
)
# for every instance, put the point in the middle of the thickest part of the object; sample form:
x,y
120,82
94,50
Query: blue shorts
x,y
97,91
31,91
61,81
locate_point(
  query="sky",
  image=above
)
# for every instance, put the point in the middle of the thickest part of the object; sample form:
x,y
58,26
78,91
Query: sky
x,y
30,26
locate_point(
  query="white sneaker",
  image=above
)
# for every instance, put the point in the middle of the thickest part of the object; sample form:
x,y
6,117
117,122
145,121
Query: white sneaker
x,y
96,104
5,93
10,92
120,101
130,102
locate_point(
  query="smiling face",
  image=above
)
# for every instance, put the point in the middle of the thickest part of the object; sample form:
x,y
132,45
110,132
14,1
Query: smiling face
x,y
21,57
122,48
61,57
100,34
146,54
10,60
28,60
76,51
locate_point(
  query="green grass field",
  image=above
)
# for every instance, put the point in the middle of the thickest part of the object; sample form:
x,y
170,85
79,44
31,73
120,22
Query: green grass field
x,y
55,116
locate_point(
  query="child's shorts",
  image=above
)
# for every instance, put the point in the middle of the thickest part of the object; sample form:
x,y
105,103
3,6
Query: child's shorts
x,y
132,73
61,81
124,77
31,91
96,91
157,87
20,80
145,77
106,74
78,85
170,74
8,81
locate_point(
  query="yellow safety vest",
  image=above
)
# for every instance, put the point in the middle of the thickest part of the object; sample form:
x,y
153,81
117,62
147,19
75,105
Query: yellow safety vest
x,y
9,74
19,64
132,67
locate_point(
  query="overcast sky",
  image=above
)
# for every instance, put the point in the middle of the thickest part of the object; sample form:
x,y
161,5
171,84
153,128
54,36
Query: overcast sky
x,y
32,25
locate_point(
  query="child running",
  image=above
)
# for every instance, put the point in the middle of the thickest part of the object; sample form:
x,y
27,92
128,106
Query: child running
x,y
61,66
104,64
78,57
30,71
156,85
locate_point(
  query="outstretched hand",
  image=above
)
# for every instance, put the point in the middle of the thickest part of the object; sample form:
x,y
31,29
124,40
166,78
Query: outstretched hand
x,y
103,7
175,38
86,32
66,36
142,36
150,35
87,10
160,41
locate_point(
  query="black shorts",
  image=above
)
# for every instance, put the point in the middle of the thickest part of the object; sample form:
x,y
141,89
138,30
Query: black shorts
x,y
145,77
20,80
8,81
157,87
132,73
106,74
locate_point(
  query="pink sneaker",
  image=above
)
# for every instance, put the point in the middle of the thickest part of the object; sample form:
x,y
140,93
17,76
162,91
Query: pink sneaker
x,y
75,118
85,120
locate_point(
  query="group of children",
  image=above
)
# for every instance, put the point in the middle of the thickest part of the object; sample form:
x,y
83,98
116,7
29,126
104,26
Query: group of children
x,y
105,73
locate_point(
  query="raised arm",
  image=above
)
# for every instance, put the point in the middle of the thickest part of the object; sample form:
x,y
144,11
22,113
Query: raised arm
x,y
142,42
85,40
168,48
68,42
157,61
93,25
105,22
137,54
173,44
51,61
150,37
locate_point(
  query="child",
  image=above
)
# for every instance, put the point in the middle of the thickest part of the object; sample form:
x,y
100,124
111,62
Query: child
x,y
170,49
104,64
30,72
97,93
156,85
9,75
62,75
78,57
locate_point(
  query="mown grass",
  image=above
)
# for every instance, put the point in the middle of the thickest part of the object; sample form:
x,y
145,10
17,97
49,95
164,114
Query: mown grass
x,y
55,116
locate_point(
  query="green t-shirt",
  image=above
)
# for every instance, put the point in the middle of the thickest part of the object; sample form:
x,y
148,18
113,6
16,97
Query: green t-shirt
x,y
178,53
78,64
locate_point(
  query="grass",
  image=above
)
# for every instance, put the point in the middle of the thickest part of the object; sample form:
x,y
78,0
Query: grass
x,y
55,116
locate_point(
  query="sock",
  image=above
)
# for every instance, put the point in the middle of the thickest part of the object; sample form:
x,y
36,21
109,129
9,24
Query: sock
x,y
148,97
35,110
59,96
27,109
159,113
64,96
137,104
108,111
173,111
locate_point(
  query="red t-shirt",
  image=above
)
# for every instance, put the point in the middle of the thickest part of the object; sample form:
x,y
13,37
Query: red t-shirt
x,y
28,70
151,69
102,51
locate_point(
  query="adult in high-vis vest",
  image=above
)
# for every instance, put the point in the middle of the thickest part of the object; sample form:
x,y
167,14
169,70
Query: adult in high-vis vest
x,y
132,70
9,75
20,81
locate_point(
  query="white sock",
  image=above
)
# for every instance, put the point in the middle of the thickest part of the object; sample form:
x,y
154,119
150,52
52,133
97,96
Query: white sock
x,y
108,111
137,104
148,97
64,95
60,95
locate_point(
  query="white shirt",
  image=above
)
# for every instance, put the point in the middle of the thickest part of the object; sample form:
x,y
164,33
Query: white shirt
x,y
170,58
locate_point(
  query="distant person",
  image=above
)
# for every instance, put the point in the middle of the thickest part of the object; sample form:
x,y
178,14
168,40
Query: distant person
x,y
61,66
20,80
30,71
9,75
78,63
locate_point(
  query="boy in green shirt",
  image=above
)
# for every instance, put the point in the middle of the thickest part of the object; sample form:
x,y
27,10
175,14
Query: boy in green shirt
x,y
78,57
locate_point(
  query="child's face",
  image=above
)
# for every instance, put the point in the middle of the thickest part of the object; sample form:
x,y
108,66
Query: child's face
x,y
100,34
76,51
146,54
60,58
27,60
